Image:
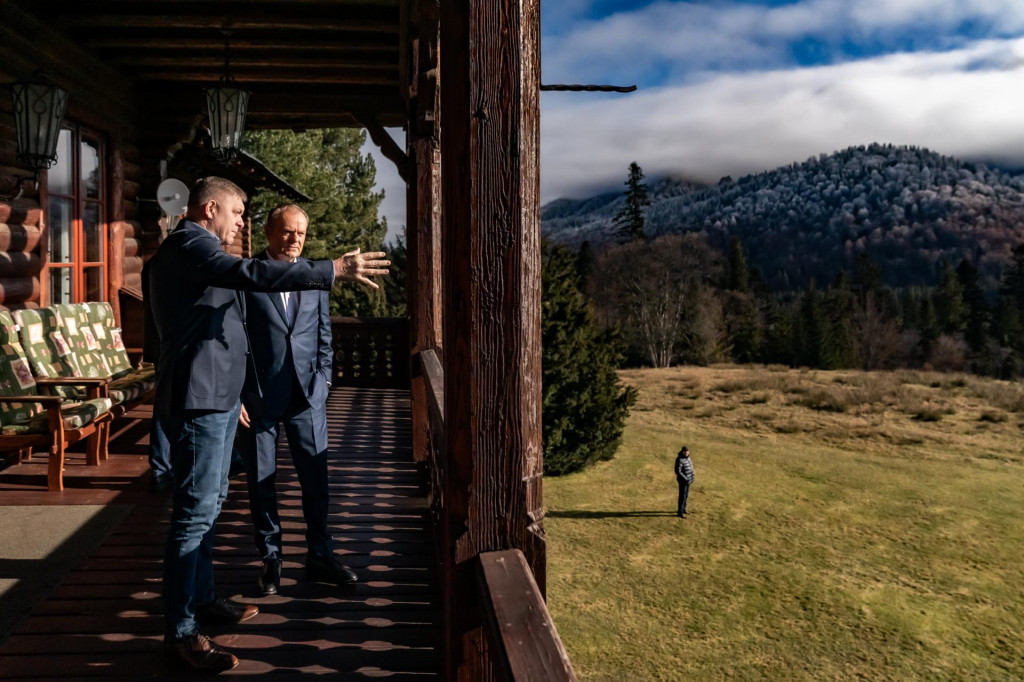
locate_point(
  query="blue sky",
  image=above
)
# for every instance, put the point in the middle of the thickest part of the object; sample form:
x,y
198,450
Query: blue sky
x,y
730,87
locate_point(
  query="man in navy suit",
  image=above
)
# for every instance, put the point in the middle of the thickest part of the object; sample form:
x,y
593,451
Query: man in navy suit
x,y
194,290
287,382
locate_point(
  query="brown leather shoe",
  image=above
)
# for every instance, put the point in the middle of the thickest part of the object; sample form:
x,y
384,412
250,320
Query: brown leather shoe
x,y
200,653
223,611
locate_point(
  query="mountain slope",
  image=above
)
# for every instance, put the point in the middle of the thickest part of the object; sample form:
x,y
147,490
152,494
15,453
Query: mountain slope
x,y
906,207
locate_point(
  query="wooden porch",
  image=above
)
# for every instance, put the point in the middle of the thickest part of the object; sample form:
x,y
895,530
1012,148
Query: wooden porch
x,y
103,621
463,80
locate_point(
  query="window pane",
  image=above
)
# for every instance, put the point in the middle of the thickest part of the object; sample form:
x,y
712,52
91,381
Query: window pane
x,y
91,180
58,227
92,233
60,286
93,284
58,180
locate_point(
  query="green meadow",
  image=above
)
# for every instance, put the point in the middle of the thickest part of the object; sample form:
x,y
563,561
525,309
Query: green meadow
x,y
843,526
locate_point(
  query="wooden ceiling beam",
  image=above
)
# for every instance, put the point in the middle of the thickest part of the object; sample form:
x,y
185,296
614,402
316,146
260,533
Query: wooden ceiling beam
x,y
224,22
165,44
279,75
273,60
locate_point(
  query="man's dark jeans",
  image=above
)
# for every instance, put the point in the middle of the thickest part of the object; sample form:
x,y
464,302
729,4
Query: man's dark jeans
x,y
684,492
159,447
201,456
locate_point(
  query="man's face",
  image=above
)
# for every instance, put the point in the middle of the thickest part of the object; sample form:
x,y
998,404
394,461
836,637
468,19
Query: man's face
x,y
286,237
225,217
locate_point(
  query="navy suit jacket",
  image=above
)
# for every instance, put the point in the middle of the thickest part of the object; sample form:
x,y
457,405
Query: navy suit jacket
x,y
283,354
193,285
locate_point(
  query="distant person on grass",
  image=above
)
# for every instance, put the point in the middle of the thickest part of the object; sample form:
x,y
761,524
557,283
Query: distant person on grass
x,y
684,477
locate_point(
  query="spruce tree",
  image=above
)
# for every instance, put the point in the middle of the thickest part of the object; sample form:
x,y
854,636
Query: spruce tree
x,y
739,279
629,221
1009,329
977,313
811,328
838,347
585,404
949,301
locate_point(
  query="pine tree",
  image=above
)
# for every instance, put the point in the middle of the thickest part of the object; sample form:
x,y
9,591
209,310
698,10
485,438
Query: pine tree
x,y
585,404
838,348
629,221
585,262
949,301
811,328
978,314
1009,329
327,165
779,334
739,279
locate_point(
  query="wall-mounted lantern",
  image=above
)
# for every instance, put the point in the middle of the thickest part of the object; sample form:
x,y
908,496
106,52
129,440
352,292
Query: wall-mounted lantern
x,y
39,108
227,105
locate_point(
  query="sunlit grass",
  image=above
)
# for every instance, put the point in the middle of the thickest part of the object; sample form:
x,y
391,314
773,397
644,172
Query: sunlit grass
x,y
835,533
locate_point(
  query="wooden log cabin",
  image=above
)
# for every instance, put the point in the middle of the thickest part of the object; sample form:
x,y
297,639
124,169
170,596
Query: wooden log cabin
x,y
462,79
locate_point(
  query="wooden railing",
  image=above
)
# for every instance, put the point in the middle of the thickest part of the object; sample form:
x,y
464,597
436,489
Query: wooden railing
x,y
371,352
522,641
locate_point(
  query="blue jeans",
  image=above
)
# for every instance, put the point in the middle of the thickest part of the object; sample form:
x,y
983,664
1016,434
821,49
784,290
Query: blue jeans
x,y
684,492
159,447
201,456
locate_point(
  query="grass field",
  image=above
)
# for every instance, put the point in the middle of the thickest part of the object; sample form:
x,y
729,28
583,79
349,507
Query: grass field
x,y
843,526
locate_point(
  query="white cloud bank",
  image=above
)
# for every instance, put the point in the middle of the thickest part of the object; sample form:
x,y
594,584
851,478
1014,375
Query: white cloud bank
x,y
967,103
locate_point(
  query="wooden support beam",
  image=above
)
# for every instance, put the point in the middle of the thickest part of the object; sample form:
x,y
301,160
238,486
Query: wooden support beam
x,y
343,43
387,145
490,75
265,60
386,76
242,22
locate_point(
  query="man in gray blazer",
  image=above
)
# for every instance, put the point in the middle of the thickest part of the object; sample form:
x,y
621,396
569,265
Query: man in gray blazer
x,y
287,383
193,288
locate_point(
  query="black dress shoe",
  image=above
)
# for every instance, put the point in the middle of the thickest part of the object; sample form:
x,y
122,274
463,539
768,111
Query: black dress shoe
x,y
161,482
223,611
270,578
200,653
329,569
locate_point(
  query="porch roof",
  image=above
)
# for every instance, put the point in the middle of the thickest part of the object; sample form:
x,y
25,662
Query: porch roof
x,y
308,63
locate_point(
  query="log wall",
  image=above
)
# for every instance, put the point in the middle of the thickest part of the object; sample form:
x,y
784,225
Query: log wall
x,y
102,101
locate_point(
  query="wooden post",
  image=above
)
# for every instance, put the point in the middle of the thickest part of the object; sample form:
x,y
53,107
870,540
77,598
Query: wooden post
x,y
490,71
423,211
115,234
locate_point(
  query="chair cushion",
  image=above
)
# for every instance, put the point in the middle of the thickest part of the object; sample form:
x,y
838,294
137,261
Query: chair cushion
x,y
108,336
50,353
81,336
75,416
15,375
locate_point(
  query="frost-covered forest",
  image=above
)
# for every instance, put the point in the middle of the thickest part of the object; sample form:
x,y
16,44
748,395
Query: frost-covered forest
x,y
907,208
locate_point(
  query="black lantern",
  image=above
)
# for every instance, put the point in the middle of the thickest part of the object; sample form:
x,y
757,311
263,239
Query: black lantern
x,y
227,105
38,113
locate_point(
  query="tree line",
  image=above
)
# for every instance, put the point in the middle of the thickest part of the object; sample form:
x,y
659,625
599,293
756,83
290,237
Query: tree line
x,y
679,299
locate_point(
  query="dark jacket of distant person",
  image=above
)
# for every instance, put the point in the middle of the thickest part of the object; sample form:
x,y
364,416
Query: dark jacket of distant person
x,y
684,468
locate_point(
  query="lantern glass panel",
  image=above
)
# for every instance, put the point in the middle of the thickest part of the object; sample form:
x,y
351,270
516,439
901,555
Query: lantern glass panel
x,y
227,110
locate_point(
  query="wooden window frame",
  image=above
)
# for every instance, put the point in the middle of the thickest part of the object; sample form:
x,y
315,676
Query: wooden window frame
x,y
79,201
